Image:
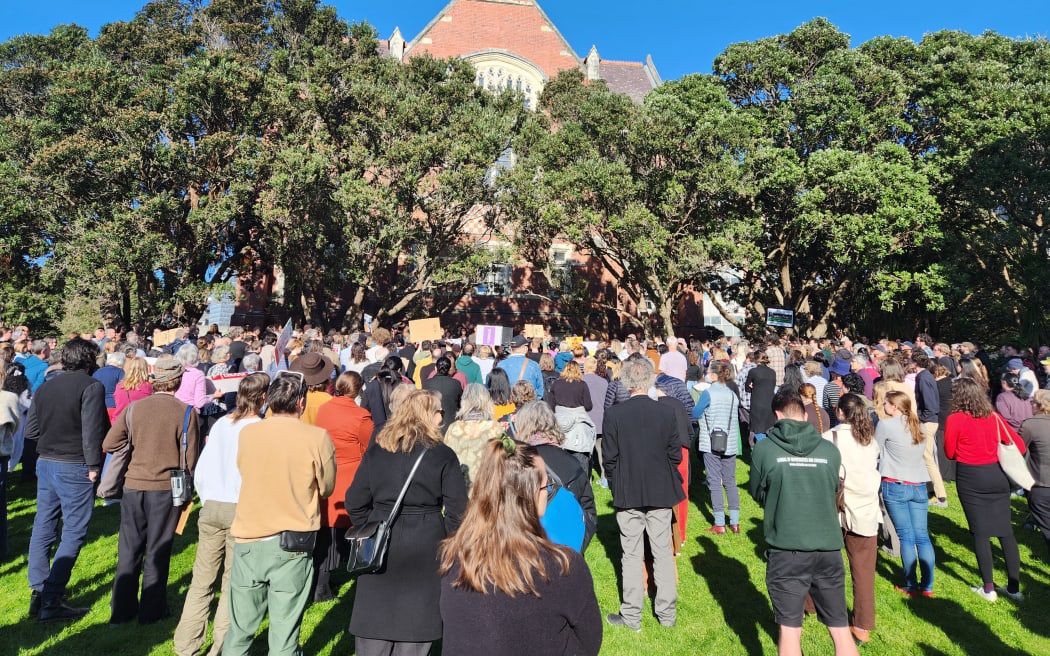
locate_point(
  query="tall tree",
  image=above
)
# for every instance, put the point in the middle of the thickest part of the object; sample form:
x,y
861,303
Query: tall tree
x,y
834,203
377,168
650,191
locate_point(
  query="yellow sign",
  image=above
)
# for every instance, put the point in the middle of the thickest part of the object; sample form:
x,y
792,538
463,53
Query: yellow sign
x,y
423,329
535,330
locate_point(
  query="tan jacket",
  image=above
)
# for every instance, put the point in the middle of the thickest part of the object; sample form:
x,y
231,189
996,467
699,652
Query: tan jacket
x,y
860,467
287,467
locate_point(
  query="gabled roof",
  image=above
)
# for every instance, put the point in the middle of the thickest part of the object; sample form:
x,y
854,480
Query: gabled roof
x,y
518,26
634,79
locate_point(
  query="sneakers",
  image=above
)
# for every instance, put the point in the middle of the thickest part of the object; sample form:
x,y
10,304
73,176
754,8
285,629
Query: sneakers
x,y
615,619
735,528
940,502
987,596
907,592
717,530
604,482
1016,596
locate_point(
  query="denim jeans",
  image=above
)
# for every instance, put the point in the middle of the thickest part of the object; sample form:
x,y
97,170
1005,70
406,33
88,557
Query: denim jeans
x,y
908,505
63,491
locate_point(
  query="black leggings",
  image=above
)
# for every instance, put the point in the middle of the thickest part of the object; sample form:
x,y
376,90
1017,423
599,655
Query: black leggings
x,y
982,547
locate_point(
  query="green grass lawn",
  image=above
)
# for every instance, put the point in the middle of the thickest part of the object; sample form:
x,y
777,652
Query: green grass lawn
x,y
722,604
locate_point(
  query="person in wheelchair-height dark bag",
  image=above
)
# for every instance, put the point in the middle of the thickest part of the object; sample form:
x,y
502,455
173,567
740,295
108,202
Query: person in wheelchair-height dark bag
x,y
287,467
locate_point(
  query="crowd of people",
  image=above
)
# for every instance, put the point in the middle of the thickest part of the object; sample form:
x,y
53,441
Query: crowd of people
x,y
489,454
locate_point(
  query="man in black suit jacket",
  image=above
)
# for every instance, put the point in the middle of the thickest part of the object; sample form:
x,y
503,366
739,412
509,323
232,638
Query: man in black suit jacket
x,y
641,452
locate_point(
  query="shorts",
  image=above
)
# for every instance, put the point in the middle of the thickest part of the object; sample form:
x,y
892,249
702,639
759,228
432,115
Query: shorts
x,y
791,575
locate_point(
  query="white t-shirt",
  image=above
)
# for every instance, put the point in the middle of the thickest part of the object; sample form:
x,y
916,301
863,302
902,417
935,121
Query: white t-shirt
x,y
217,477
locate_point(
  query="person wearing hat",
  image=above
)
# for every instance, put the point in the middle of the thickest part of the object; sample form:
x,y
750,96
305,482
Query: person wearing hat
x,y
519,367
1026,375
154,426
317,371
834,389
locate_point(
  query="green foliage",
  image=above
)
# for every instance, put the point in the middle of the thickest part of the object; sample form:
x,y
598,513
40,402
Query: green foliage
x,y
883,188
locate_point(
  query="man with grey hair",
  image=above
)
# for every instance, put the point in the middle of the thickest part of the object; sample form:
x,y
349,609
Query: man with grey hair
x,y
36,363
251,363
641,452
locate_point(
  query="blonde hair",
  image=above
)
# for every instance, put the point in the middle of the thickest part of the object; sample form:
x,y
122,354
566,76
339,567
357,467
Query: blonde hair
x,y
1041,401
412,423
901,401
571,372
135,373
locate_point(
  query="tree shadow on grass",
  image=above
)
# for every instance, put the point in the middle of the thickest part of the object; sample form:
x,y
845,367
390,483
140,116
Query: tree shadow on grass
x,y
334,626
744,607
608,534
971,635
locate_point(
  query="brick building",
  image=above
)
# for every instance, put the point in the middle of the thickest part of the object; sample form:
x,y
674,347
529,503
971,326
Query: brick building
x,y
514,44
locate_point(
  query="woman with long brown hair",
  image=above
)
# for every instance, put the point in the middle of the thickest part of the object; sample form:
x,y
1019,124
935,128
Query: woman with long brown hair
x,y
855,439
500,565
972,434
396,609
218,484
904,479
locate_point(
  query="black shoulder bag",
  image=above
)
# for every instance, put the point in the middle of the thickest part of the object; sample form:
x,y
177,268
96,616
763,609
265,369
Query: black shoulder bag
x,y
719,437
369,543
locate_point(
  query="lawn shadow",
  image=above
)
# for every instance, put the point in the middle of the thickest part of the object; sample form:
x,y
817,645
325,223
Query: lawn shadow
x,y
741,602
334,626
966,631
608,535
757,536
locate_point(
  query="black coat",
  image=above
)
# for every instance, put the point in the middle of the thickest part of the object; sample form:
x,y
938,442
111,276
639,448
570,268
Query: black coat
x,y
450,391
761,382
641,450
575,480
400,602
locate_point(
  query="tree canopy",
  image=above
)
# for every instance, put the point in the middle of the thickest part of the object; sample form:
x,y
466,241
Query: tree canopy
x,y
882,188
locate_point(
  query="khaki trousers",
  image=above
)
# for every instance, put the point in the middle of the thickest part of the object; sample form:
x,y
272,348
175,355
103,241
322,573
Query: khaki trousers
x,y
214,550
929,456
634,524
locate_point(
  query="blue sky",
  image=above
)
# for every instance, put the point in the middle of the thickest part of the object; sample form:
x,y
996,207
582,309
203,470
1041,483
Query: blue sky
x,y
683,36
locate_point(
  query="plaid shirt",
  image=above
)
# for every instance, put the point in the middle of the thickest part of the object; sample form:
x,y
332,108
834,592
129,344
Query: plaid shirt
x,y
741,378
777,362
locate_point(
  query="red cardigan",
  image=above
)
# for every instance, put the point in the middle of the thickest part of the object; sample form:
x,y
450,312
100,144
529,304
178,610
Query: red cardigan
x,y
973,441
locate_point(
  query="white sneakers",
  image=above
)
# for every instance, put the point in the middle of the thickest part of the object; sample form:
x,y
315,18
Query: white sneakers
x,y
987,596
1016,596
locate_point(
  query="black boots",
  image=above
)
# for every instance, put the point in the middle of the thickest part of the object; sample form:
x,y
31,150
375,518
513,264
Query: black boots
x,y
51,608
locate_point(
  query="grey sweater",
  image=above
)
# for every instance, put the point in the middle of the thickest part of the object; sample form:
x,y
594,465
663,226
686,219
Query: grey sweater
x,y
900,458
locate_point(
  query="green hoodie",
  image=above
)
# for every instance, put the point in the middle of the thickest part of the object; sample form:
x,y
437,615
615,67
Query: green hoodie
x,y
794,476
470,369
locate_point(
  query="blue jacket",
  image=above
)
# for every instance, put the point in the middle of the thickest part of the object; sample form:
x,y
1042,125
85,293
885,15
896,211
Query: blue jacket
x,y
513,365
35,369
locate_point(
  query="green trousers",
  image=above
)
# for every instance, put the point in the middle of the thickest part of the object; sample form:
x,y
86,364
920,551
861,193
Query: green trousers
x,y
265,577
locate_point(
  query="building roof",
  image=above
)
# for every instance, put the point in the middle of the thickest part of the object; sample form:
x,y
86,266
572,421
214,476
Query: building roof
x,y
522,29
635,79
518,26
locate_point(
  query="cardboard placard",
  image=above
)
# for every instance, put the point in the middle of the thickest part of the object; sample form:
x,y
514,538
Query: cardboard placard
x,y
535,330
227,383
492,335
164,337
423,329
574,341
